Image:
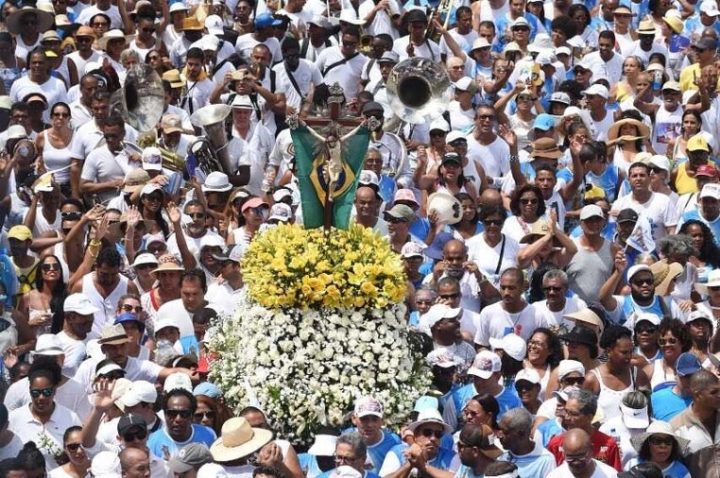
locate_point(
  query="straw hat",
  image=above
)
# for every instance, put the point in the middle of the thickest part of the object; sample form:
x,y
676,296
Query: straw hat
x,y
44,19
539,229
168,266
238,440
192,24
713,281
675,23
614,130
113,35
663,274
658,427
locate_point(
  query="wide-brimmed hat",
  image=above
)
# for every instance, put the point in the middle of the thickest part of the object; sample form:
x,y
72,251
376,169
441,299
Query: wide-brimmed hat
x,y
539,229
113,335
658,427
44,19
545,148
580,335
429,415
614,130
447,207
713,281
585,317
113,34
168,266
238,440
663,273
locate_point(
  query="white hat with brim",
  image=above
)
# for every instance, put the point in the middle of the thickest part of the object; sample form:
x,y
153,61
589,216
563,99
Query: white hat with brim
x,y
658,427
324,445
713,281
429,415
178,7
238,440
48,344
169,266
635,418
113,35
587,317
45,20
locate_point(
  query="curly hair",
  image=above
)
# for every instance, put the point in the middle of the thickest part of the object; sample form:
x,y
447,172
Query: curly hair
x,y
709,252
515,201
678,329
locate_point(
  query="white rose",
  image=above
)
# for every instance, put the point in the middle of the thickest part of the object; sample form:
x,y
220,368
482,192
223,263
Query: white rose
x,y
366,336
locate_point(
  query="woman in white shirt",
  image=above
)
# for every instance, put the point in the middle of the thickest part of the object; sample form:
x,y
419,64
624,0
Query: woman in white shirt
x,y
79,462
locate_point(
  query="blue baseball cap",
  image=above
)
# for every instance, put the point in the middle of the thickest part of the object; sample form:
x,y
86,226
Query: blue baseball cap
x,y
127,317
265,20
426,402
208,389
544,122
687,364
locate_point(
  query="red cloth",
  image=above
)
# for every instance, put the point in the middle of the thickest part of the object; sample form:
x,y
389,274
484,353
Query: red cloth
x,y
604,448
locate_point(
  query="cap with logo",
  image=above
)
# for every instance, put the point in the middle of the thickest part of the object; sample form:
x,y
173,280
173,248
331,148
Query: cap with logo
x,y
710,190
698,143
511,344
191,456
627,215
130,421
368,406
486,363
687,364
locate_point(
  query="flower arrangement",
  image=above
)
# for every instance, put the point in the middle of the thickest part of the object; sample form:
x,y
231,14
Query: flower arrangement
x,y
289,266
324,324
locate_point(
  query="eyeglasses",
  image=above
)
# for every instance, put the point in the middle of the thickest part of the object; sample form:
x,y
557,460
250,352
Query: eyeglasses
x,y
197,215
573,380
493,222
184,413
209,414
73,446
429,432
134,308
344,459
61,115
645,329
640,282
133,436
527,201
670,341
45,392
47,267
661,440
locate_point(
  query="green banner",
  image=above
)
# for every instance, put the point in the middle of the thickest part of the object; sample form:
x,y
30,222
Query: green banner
x,y
311,158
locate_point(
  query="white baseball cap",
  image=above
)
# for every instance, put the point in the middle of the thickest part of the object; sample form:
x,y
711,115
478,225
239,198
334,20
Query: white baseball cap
x,y
511,344
635,269
597,89
486,363
80,304
591,210
710,190
367,406
138,392
176,381
48,344
144,259
529,375
566,367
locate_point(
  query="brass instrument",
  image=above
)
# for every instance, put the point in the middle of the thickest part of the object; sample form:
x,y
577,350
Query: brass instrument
x,y
211,150
418,90
443,8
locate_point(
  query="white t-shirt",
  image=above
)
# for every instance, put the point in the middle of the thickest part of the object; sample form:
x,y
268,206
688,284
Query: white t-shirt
x,y
224,298
346,74
494,157
496,322
572,304
245,44
429,49
74,352
657,210
487,258
113,13
306,75
601,471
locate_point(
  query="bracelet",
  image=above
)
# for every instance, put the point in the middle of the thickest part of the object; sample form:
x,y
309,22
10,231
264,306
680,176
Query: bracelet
x,y
95,243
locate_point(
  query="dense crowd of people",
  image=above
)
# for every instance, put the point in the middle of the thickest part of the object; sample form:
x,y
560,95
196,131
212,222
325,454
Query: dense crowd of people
x,y
558,217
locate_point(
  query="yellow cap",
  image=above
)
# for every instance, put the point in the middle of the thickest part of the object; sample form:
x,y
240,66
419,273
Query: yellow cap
x,y
21,233
698,143
594,193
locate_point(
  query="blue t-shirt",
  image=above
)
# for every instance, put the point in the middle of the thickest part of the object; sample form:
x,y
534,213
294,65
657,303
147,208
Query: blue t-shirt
x,y
548,429
376,453
666,404
309,465
443,460
161,444
507,399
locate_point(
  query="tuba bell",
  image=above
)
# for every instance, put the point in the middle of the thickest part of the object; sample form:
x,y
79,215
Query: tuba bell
x,y
211,150
418,90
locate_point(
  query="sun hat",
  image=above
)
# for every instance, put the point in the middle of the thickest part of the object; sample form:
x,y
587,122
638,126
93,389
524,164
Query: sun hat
x,y
614,130
111,35
661,428
511,344
486,363
135,179
14,25
647,27
237,440
113,335
663,274
144,259
675,23
580,335
539,229
191,24
480,43
586,317
216,182
168,266
405,194
545,148
176,81
712,281
80,304
446,206
430,415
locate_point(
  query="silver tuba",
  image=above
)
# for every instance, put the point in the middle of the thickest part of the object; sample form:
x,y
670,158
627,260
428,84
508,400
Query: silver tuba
x,y
211,150
418,90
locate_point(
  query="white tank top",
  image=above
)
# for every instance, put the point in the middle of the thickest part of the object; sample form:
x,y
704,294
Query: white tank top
x,y
56,159
106,314
609,400
660,376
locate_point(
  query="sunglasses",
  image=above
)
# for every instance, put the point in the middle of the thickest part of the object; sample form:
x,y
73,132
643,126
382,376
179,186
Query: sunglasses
x,y
646,329
137,308
670,341
45,392
486,117
197,215
640,282
71,216
661,440
178,413
47,267
429,432
525,202
209,414
133,436
437,134
493,222
73,446
573,380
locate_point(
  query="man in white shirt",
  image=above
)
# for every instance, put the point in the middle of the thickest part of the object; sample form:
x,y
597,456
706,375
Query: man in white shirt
x,y
486,147
106,8
296,77
415,44
264,33
79,315
556,304
343,64
199,86
605,62
193,287
511,315
654,206
225,295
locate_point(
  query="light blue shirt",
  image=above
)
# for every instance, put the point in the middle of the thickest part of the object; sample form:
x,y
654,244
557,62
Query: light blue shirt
x,y
160,442
537,463
666,404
